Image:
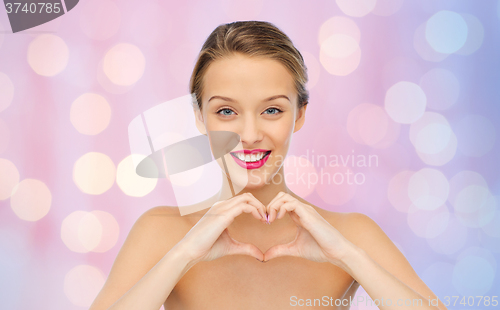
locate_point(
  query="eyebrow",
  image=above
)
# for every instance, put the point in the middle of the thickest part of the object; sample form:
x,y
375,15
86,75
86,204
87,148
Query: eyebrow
x,y
232,100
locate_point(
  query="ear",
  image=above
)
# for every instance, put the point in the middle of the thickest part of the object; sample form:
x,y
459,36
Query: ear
x,y
301,118
199,121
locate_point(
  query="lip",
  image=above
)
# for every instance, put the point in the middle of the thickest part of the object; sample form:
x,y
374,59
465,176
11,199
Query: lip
x,y
251,151
253,165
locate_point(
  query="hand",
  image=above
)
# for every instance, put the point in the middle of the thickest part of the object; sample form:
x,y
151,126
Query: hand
x,y
316,239
209,238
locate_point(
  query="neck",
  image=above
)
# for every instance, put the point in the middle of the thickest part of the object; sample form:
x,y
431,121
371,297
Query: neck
x,y
264,194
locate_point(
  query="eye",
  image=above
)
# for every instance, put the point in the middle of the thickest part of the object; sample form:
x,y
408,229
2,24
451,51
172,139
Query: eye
x,y
275,110
225,110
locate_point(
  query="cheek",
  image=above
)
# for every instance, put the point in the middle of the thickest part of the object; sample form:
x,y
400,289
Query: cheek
x,y
281,130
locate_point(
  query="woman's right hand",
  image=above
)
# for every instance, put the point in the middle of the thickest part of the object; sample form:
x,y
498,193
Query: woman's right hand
x,y
209,238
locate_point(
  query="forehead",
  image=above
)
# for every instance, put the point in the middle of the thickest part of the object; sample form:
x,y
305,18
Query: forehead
x,y
250,77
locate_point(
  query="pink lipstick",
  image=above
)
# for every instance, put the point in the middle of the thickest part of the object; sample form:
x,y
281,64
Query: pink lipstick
x,y
251,159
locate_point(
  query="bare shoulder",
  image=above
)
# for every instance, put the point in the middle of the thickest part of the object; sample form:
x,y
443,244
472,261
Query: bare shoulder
x,y
358,228
153,234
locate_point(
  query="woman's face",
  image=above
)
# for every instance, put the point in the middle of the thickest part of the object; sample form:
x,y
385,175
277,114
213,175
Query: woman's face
x,y
255,98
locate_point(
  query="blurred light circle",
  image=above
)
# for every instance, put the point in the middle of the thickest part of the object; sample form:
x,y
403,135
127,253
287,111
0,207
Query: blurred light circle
x,y
313,69
438,276
443,157
124,64
476,135
110,231
387,7
428,223
397,191
72,234
475,35
31,200
242,10
340,66
48,55
428,189
471,198
446,31
433,139
107,84
339,46
90,114
479,252
295,167
4,141
9,178
462,180
452,239
335,190
338,25
475,206
405,102
356,8
493,227
81,231
367,123
6,91
94,173
489,242
473,275
99,19
89,231
130,182
441,88
82,284
423,48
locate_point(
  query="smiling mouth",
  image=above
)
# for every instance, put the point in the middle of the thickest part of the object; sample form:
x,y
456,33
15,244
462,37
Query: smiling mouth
x,y
251,158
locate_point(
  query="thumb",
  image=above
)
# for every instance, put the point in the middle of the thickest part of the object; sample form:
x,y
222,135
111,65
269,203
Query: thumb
x,y
236,247
280,250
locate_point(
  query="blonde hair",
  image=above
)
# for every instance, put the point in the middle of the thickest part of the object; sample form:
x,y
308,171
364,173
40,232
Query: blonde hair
x,y
251,38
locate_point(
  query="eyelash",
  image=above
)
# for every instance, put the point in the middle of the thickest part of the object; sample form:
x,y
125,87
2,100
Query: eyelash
x,y
279,111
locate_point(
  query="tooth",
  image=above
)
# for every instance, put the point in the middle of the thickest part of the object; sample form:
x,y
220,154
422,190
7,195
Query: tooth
x,y
253,157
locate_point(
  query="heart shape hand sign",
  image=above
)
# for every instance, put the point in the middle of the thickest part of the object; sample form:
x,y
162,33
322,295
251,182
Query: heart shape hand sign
x,y
316,239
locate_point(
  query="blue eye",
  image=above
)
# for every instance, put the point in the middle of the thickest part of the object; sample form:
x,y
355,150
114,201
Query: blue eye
x,y
275,109
218,112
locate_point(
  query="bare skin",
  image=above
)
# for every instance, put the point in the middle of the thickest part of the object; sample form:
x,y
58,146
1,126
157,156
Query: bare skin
x,y
226,256
242,282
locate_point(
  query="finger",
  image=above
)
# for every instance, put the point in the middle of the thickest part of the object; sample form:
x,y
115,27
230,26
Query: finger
x,y
242,248
280,250
231,206
280,207
258,204
278,196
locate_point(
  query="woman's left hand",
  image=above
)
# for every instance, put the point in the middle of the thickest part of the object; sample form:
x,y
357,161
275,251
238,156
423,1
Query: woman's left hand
x,y
316,239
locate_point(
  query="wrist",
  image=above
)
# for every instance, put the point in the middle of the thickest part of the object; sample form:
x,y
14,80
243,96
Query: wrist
x,y
181,252
350,258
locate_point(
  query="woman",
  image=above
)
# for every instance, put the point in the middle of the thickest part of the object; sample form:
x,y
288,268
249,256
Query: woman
x,y
265,247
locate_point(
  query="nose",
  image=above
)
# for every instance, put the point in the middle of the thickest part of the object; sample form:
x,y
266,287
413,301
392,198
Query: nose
x,y
250,131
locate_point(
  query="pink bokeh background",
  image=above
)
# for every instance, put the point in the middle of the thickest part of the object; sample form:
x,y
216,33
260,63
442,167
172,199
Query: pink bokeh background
x,y
413,84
